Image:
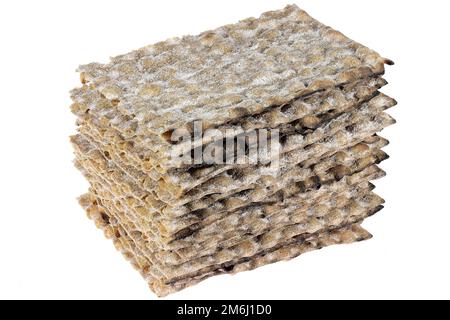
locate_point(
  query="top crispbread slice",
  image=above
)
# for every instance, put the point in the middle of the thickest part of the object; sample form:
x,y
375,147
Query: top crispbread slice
x,y
228,72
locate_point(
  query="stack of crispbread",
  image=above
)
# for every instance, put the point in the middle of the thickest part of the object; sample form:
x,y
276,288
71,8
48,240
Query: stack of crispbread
x,y
179,220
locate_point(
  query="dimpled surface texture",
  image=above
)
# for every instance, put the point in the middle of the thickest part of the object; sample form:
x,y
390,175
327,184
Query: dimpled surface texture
x,y
181,223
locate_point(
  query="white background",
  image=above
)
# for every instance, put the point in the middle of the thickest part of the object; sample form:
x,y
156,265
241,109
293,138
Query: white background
x,y
49,249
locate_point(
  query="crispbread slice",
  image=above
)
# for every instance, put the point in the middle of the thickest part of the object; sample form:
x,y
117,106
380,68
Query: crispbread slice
x,y
251,246
306,110
344,234
222,74
123,152
337,132
324,170
174,257
259,230
182,251
346,129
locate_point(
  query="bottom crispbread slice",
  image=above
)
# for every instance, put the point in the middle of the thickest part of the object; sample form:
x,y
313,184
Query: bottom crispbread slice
x,y
343,234
263,233
157,273
336,207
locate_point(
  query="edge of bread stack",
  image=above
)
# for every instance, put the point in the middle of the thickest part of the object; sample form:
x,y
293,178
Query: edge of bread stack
x,y
181,222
